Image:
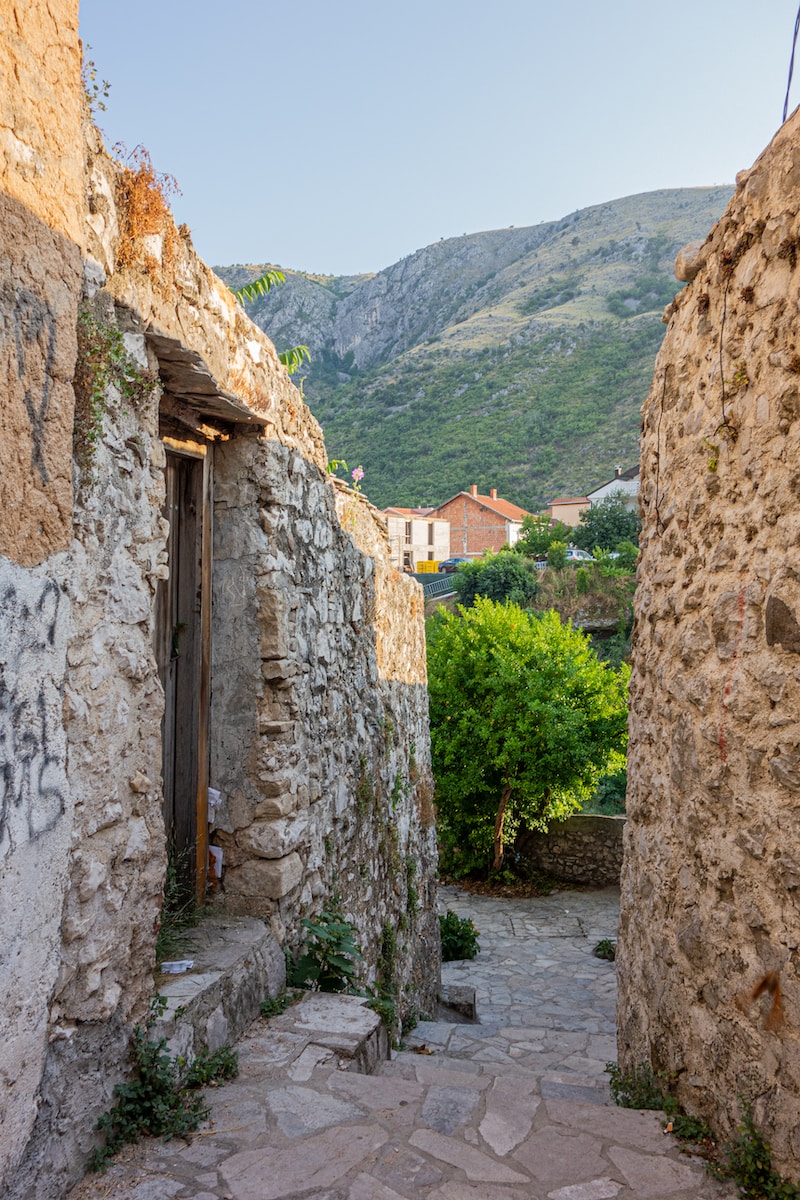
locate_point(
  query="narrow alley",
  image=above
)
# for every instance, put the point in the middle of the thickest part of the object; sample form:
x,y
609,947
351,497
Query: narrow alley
x,y
516,1105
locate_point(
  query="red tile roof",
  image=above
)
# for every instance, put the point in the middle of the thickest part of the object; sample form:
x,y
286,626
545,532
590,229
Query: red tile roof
x,y
512,512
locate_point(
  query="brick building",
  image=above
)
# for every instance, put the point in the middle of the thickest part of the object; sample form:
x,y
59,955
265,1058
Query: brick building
x,y
479,523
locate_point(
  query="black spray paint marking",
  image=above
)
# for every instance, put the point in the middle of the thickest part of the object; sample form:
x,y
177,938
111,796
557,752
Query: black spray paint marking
x,y
31,759
35,325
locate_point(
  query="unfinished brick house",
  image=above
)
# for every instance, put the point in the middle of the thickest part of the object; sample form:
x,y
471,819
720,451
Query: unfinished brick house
x,y
479,523
188,603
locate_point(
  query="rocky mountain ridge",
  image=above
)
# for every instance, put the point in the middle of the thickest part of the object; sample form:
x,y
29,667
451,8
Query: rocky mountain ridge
x,y
515,358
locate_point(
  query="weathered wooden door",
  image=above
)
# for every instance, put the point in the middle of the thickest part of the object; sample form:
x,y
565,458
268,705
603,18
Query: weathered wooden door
x,y
183,650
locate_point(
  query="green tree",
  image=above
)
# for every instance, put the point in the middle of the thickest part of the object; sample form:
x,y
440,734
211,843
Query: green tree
x,y
503,576
524,723
607,524
557,556
538,534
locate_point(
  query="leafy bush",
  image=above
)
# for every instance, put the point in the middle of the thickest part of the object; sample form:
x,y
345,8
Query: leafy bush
x,y
606,949
524,722
538,534
557,556
277,1004
609,797
627,553
459,937
497,576
330,956
747,1160
608,524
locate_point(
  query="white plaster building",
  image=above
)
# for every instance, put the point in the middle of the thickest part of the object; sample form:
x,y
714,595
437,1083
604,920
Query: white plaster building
x,y
416,538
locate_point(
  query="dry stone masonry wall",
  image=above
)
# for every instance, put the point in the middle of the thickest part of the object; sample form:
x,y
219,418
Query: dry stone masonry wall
x,y
328,714
583,849
317,736
711,884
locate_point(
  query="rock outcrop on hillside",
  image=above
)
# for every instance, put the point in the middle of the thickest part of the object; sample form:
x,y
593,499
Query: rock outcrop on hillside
x,y
514,358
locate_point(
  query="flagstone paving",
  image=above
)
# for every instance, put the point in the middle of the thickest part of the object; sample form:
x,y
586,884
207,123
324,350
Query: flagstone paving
x,y
516,1106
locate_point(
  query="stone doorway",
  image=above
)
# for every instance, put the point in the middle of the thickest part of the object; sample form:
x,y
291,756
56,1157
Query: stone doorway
x,y
183,651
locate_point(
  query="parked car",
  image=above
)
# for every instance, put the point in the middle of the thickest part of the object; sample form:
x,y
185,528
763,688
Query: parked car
x,y
449,565
576,555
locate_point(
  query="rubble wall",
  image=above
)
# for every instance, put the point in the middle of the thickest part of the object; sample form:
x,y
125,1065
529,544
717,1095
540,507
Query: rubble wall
x,y
319,738
41,200
41,228
583,849
711,882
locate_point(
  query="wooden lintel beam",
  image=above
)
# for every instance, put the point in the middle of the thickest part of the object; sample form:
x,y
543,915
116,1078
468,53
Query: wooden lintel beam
x,y
184,415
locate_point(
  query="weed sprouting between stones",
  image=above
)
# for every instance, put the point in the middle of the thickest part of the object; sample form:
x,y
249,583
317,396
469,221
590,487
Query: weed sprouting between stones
x,y
161,1099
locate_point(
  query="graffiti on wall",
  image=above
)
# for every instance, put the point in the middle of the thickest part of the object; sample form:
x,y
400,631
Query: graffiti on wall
x,y
35,343
32,747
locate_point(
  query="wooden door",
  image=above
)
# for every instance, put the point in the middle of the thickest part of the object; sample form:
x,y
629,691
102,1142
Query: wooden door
x,y
183,651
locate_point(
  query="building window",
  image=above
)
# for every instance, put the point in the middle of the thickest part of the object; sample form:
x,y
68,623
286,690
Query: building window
x,y
430,534
408,533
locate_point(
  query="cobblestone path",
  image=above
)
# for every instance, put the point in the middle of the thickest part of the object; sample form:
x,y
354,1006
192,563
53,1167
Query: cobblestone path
x,y
514,1107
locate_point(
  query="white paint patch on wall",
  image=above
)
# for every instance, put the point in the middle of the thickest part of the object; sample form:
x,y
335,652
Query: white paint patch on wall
x,y
35,829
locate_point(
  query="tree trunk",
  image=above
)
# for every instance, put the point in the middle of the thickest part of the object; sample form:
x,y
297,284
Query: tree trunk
x,y
498,828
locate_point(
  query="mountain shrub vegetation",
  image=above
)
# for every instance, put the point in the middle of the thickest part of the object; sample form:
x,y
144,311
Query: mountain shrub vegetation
x,y
513,358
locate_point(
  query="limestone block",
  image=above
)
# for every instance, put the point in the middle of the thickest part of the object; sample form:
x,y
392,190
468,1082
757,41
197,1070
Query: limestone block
x,y
273,622
276,806
275,838
271,878
689,261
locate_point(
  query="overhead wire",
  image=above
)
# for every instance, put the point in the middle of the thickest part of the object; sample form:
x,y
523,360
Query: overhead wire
x,y
791,64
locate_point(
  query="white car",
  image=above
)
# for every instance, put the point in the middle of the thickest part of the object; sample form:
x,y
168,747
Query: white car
x,y
576,555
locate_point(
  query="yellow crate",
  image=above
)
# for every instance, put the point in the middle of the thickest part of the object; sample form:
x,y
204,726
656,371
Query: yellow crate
x,y
427,568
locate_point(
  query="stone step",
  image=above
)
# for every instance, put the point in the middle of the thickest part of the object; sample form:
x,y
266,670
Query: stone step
x,y
331,1029
237,965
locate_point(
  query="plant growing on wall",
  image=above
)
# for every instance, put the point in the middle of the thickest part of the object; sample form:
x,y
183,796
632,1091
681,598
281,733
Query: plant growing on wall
x,y
524,722
330,958
103,363
143,211
161,1099
297,355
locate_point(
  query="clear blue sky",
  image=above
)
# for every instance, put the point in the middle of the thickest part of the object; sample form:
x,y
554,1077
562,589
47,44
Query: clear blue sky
x,y
340,135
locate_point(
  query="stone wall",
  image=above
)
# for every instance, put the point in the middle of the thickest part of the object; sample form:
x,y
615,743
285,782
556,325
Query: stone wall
x,y
711,883
318,734
583,849
41,198
41,234
329,715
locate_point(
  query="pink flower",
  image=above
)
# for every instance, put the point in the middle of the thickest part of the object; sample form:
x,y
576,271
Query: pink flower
x,y
358,474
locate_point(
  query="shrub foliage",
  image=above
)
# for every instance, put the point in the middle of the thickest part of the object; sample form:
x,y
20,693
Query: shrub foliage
x,y
524,722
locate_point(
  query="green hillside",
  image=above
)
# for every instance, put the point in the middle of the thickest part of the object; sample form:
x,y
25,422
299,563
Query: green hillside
x,y
515,359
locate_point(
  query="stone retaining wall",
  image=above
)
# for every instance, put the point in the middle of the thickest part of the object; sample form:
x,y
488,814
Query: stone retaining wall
x,y
583,849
